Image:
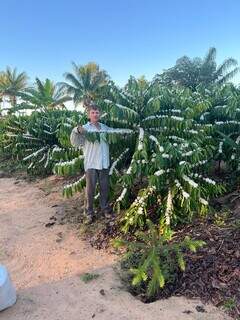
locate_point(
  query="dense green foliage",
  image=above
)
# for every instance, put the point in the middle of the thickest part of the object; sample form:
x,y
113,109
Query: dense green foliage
x,y
34,139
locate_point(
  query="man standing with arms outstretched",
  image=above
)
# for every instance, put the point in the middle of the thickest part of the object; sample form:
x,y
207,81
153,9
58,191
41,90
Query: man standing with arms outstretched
x,y
96,162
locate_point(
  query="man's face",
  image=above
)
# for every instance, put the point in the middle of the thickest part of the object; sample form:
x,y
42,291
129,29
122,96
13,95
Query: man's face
x,y
94,115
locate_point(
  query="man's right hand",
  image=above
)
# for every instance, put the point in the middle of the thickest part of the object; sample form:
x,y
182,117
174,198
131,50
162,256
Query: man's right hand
x,y
80,129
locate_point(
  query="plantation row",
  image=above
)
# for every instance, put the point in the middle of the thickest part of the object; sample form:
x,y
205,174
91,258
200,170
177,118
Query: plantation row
x,y
164,146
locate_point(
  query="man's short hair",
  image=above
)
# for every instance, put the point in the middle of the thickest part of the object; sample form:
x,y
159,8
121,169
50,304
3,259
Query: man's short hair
x,y
93,106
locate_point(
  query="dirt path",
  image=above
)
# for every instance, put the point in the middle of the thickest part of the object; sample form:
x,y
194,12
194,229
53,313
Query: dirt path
x,y
45,265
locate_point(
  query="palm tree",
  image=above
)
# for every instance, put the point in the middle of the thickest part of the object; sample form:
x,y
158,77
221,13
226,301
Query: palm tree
x,y
86,83
223,73
192,72
44,95
11,83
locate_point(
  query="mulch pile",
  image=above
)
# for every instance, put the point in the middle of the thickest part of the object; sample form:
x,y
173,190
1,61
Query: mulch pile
x,y
213,273
101,239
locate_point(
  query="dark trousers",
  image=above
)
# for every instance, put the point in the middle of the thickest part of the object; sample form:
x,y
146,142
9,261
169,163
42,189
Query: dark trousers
x,y
92,177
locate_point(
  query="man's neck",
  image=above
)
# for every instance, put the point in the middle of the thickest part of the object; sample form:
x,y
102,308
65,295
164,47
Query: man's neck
x,y
96,124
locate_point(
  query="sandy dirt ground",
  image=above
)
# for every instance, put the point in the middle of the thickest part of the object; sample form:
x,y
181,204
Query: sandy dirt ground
x,y
46,264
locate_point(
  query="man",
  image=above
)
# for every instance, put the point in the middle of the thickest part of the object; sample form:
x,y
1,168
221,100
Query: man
x,y
96,162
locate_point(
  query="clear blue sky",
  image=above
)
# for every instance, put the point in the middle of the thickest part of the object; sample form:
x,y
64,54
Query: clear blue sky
x,y
125,36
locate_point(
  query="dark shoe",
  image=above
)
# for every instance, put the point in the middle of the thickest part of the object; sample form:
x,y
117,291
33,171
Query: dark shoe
x,y
88,220
108,215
